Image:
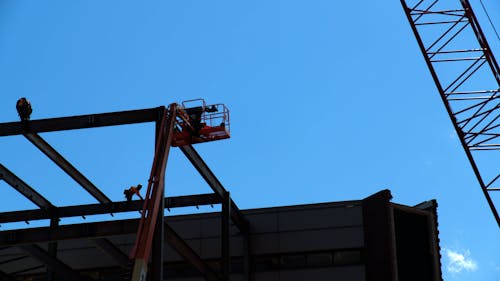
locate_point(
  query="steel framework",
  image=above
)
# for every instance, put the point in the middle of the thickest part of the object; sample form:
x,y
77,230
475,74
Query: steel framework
x,y
467,77
151,230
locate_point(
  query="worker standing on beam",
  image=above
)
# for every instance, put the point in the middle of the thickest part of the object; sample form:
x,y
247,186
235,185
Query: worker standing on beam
x,y
23,107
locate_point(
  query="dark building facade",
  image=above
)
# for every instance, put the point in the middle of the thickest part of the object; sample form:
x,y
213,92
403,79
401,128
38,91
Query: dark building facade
x,y
368,239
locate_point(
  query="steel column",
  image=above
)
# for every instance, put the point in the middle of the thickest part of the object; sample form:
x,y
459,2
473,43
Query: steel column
x,y
51,274
157,255
226,237
247,272
378,228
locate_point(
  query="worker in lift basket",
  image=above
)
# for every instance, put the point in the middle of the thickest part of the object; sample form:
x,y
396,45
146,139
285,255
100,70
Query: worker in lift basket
x,y
131,191
195,114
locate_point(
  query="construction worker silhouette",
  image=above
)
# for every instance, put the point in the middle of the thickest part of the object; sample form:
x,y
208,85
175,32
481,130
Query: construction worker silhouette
x,y
195,114
23,107
131,191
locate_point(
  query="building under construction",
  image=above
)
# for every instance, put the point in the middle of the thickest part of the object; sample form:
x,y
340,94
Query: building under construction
x,y
367,239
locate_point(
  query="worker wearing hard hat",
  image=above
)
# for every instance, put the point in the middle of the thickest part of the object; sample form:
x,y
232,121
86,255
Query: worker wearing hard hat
x,y
24,109
131,191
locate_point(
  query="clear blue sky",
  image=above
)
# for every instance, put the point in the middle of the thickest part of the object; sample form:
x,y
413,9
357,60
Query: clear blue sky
x,y
329,100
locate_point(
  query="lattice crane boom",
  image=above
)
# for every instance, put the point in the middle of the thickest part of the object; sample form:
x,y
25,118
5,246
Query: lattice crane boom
x,y
467,77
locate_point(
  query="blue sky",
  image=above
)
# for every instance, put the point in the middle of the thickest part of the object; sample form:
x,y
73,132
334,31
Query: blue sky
x,y
329,100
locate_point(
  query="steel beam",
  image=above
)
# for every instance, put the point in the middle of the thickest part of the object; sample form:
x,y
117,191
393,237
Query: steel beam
x,y
183,249
111,250
225,237
56,265
82,121
113,207
67,167
25,189
67,232
200,165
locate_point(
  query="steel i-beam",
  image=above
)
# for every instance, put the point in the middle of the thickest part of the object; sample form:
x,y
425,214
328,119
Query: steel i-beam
x,y
67,167
25,189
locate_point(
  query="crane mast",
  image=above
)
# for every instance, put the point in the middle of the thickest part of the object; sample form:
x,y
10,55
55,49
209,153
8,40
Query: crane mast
x,y
467,77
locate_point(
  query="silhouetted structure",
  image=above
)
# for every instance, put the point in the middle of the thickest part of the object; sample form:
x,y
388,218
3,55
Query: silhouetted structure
x,y
369,239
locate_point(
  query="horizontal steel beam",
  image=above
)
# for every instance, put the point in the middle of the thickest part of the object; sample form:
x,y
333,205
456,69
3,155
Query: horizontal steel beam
x,y
54,264
82,121
67,167
23,188
113,207
68,232
200,165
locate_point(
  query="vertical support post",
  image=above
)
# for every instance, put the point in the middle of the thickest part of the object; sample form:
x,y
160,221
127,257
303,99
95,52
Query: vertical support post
x,y
157,255
52,248
380,246
225,236
246,256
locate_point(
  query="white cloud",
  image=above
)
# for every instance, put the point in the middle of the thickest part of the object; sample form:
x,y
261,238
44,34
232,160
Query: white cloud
x,y
459,261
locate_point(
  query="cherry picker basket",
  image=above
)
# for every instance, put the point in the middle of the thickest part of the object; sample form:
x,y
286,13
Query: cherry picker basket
x,y
200,122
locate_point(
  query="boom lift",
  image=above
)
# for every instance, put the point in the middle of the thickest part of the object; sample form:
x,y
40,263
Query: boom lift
x,y
180,125
467,77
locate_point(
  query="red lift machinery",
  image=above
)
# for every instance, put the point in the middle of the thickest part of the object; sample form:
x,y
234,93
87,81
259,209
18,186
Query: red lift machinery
x,y
193,122
467,77
201,123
